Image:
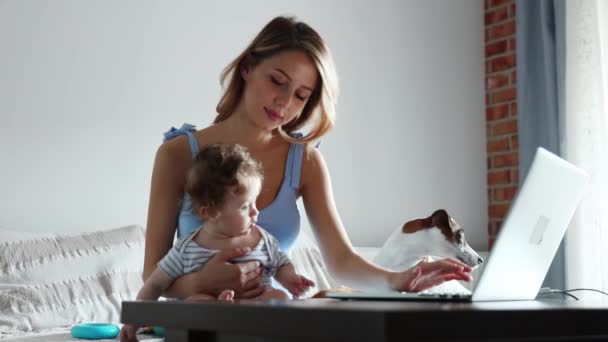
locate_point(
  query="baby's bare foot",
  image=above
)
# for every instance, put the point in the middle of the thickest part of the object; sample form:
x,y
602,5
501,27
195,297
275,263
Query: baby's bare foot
x,y
226,295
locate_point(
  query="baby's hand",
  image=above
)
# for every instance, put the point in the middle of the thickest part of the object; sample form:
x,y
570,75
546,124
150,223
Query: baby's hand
x,y
297,285
128,333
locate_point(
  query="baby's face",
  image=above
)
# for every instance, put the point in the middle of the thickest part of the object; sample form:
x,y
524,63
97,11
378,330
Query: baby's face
x,y
239,213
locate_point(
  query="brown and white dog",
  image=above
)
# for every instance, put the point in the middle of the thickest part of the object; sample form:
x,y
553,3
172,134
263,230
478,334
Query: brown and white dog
x,y
437,236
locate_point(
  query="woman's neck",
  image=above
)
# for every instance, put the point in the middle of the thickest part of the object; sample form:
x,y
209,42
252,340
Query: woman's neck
x,y
242,130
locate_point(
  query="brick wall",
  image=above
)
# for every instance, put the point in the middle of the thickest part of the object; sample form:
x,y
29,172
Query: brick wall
x,y
501,111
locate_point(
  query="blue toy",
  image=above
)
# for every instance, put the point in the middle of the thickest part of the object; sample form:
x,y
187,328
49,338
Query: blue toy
x,y
158,331
95,331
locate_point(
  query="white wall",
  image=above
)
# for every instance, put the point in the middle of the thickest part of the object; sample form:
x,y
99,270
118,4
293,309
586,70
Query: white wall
x,y
88,87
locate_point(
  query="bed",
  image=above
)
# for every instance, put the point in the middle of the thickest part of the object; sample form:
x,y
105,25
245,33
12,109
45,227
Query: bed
x,y
48,282
61,334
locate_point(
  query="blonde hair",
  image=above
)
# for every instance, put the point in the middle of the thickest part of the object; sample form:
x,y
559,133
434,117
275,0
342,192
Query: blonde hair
x,y
218,169
279,35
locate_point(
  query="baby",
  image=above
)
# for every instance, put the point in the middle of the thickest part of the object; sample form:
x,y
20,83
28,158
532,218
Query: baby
x,y
223,184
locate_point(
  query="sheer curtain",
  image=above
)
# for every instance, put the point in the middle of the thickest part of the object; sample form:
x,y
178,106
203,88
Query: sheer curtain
x,y
585,140
541,54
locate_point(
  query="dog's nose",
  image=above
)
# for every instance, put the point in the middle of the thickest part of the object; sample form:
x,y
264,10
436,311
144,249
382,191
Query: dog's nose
x,y
479,260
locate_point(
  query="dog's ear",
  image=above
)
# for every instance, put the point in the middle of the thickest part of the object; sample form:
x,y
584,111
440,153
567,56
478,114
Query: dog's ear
x,y
413,226
443,220
440,218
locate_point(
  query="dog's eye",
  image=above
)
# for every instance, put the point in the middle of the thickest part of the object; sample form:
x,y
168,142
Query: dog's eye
x,y
460,236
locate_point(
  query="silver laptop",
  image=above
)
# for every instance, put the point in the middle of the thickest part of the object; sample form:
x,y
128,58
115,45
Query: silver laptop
x,y
527,241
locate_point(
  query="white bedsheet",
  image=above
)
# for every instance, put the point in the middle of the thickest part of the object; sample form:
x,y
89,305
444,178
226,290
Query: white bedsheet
x,y
51,323
60,335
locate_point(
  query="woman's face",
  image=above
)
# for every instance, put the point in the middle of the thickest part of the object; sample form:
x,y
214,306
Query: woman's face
x,y
277,89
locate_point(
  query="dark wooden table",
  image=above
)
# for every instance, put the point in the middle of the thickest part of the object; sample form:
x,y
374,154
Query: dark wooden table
x,y
335,320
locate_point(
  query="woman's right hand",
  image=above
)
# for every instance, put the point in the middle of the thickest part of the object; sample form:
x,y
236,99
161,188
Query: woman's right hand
x,y
428,274
220,274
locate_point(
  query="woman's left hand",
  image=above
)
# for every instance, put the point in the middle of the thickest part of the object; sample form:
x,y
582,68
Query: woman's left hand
x,y
428,274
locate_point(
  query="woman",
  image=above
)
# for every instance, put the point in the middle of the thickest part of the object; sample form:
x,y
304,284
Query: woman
x,y
284,80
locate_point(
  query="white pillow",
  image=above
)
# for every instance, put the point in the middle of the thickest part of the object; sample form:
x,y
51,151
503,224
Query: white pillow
x,y
59,280
307,261
7,235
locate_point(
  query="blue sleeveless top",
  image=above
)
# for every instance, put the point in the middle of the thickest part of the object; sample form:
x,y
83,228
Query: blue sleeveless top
x,y
281,218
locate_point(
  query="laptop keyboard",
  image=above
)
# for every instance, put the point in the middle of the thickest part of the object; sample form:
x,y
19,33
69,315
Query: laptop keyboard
x,y
448,288
441,291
